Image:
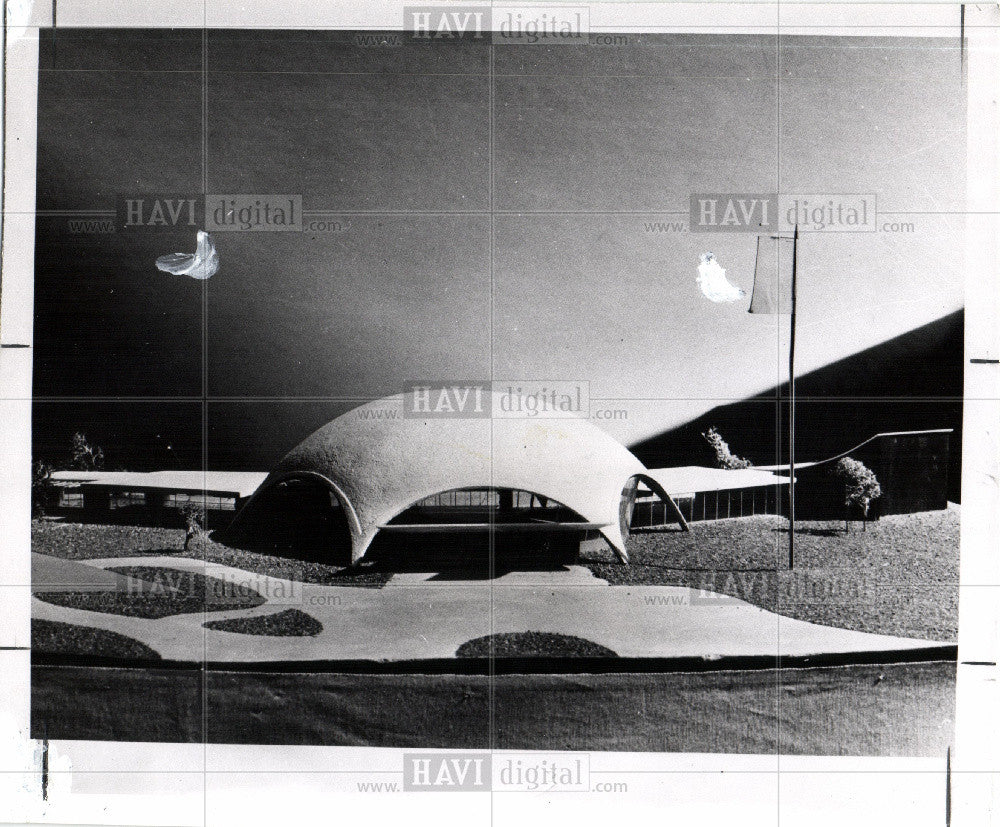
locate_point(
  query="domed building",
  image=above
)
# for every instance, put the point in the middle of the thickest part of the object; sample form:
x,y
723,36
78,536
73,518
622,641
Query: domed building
x,y
375,471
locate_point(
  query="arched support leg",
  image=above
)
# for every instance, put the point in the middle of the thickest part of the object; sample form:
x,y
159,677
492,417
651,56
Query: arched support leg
x,y
657,489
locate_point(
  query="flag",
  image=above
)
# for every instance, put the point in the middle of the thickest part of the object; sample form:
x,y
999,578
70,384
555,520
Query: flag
x,y
773,274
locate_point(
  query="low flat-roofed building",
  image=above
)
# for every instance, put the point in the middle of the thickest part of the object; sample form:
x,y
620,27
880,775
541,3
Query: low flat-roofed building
x,y
151,496
702,493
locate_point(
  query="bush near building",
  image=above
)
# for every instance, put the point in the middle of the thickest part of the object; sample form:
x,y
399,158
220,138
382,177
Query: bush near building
x,y
860,488
724,458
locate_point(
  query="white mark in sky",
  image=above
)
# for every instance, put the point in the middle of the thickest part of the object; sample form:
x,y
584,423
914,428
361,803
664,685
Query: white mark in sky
x,y
203,264
713,282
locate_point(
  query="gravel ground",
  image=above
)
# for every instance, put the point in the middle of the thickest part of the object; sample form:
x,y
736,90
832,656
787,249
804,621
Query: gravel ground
x,y
898,577
289,623
53,637
532,645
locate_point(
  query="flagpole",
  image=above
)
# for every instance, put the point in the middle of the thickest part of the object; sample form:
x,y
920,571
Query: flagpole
x,y
791,409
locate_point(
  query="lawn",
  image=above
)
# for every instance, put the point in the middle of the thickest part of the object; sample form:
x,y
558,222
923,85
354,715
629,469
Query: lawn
x,y
173,592
532,645
898,577
53,637
289,623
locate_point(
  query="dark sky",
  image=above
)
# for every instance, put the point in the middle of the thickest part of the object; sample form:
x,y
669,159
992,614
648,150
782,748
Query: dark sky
x,y
588,144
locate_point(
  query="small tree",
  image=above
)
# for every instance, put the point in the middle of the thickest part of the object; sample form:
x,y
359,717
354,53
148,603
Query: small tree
x,y
84,456
193,512
860,487
724,458
42,490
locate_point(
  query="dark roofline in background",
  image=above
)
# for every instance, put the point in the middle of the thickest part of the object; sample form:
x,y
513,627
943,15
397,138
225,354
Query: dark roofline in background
x,y
850,451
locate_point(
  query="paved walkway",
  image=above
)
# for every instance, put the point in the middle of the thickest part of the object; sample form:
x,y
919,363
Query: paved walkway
x,y
419,616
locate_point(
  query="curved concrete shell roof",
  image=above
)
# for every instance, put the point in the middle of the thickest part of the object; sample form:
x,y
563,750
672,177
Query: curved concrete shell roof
x,y
379,464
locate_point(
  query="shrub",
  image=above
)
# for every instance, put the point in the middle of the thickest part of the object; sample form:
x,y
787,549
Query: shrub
x,y
724,458
84,456
42,489
860,483
193,512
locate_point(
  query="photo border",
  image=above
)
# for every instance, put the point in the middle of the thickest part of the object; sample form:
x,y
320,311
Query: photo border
x,y
166,783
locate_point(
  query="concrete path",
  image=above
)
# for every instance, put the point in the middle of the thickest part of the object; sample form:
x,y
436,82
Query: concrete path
x,y
418,616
